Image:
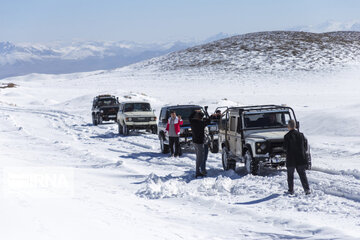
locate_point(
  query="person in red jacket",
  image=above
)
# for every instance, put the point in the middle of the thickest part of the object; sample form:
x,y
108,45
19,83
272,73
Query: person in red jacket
x,y
173,130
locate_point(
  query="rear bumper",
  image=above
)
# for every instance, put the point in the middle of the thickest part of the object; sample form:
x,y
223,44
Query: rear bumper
x,y
141,126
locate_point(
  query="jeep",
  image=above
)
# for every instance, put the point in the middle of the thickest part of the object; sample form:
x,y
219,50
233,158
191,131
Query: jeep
x,y
104,108
185,130
254,135
134,115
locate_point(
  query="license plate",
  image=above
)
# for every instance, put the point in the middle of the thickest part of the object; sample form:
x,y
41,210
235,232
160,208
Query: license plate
x,y
112,116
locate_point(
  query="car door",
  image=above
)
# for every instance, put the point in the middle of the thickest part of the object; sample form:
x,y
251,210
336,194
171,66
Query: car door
x,y
239,137
232,134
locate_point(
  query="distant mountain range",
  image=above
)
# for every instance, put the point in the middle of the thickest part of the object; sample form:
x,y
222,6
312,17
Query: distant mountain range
x,y
328,26
60,57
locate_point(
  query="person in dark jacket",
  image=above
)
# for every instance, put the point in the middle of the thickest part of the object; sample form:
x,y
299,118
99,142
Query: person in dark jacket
x,y
198,125
294,145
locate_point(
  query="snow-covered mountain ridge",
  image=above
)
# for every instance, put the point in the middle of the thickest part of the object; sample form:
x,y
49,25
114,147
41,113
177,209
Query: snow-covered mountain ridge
x,y
266,52
82,56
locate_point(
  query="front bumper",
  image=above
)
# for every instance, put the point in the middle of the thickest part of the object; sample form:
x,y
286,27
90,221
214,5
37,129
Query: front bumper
x,y
141,125
273,160
106,117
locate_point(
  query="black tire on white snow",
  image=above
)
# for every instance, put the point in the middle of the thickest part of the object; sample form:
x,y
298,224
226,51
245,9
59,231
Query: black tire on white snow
x,y
252,166
125,130
214,146
94,121
164,148
120,129
226,161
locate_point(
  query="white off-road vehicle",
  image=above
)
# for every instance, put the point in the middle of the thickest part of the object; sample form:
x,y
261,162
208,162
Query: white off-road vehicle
x,y
254,135
136,116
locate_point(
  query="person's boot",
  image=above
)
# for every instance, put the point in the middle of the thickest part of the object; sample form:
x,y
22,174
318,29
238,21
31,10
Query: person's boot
x,y
199,175
290,192
307,192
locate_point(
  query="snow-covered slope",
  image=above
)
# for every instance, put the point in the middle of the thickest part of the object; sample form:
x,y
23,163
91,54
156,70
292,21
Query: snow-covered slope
x,y
124,188
267,52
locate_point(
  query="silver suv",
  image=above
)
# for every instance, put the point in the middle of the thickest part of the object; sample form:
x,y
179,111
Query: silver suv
x,y
136,116
254,135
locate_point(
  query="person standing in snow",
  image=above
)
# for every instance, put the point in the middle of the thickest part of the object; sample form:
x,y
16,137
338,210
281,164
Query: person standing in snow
x,y
198,125
173,129
294,146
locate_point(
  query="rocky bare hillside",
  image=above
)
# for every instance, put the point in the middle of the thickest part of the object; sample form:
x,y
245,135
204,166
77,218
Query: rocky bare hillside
x,y
267,52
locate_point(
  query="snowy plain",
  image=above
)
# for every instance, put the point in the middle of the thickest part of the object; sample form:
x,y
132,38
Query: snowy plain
x,y
124,188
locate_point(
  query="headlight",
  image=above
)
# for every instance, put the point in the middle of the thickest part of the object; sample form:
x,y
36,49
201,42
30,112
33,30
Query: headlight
x,y
128,119
153,119
261,147
101,111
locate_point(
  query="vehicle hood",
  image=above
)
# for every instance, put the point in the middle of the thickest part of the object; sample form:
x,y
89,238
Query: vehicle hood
x,y
139,114
272,135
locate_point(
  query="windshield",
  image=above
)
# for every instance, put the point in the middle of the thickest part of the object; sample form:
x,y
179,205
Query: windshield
x,y
137,107
184,113
267,120
107,102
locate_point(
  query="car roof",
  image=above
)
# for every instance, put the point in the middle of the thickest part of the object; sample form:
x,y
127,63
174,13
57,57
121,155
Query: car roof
x,y
181,106
134,102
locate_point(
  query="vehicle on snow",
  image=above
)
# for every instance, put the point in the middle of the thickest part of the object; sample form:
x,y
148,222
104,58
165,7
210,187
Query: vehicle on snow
x,y
185,130
104,108
254,135
136,115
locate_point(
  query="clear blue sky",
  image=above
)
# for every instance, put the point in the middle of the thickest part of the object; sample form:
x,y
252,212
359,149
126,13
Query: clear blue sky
x,y
160,20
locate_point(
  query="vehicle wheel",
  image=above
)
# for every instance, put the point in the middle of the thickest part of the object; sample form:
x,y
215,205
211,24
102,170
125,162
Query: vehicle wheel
x,y
154,130
120,129
125,130
94,120
164,148
214,146
226,161
100,121
252,166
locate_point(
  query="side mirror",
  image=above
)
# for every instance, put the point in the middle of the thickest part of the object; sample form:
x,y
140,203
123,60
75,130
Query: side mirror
x,y
297,124
164,121
206,108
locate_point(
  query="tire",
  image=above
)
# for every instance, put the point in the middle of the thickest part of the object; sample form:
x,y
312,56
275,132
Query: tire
x,y
94,120
164,148
100,120
214,146
125,130
120,129
226,161
154,130
252,166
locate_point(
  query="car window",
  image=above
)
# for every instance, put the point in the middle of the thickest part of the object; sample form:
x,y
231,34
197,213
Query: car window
x,y
266,120
106,102
232,123
137,107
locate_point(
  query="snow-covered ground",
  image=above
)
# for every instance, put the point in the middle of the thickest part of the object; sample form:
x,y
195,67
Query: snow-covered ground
x,y
122,188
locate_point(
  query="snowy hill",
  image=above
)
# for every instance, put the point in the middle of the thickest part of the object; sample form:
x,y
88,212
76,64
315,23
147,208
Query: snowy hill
x,y
267,52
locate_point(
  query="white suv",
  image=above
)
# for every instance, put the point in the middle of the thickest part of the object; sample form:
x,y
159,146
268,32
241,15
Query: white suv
x,y
134,115
254,135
